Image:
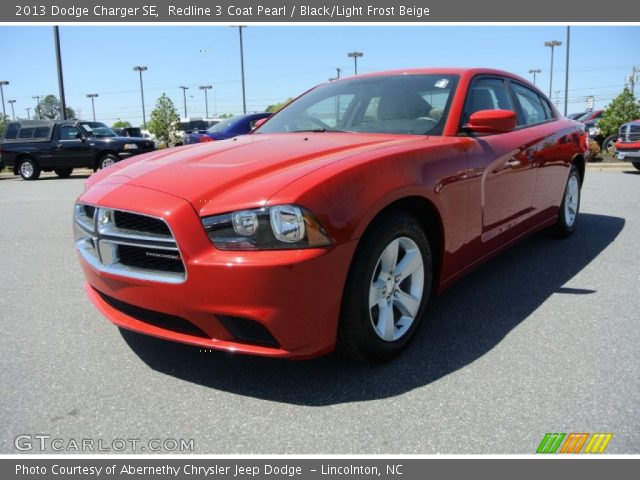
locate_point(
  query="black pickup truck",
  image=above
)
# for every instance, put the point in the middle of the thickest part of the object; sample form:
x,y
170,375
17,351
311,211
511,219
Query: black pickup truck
x,y
33,146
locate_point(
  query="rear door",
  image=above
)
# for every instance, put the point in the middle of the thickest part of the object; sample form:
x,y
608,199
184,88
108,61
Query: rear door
x,y
71,148
503,170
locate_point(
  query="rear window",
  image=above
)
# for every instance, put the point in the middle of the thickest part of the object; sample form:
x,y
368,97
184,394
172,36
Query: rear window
x,y
41,132
26,132
11,133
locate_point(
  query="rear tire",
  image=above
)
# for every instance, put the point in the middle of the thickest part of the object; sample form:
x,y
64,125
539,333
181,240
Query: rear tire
x,y
29,169
570,207
387,289
609,143
636,165
63,172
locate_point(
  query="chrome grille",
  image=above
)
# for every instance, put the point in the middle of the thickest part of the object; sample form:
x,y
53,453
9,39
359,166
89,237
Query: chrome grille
x,y
629,133
128,244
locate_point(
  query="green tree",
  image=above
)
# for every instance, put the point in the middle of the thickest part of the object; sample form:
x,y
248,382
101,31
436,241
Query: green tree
x,y
163,120
121,124
622,109
49,107
277,106
225,115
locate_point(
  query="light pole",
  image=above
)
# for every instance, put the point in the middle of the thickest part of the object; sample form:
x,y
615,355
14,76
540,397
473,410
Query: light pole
x,y
206,99
355,56
13,113
36,112
140,69
534,74
63,104
244,98
566,73
338,72
3,83
28,113
184,96
552,44
93,107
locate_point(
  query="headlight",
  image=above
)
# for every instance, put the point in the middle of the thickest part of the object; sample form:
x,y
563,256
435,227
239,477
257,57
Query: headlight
x,y
273,228
130,146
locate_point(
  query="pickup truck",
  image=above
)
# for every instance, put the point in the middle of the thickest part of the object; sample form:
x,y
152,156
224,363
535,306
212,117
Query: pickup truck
x,y
32,146
628,144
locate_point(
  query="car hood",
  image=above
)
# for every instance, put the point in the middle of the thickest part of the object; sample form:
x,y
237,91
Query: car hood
x,y
245,171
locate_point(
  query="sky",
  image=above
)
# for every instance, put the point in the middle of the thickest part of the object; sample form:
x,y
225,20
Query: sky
x,y
285,61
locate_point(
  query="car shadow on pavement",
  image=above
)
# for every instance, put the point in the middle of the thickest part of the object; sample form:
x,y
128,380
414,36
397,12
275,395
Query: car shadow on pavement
x,y
462,325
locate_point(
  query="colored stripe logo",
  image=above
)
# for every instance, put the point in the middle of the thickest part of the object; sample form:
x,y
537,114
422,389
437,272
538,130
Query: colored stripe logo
x,y
574,442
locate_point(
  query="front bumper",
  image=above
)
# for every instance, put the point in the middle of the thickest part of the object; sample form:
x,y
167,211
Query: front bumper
x,y
294,294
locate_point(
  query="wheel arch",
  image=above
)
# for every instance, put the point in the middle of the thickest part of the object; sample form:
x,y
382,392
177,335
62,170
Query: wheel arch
x,y
579,161
427,213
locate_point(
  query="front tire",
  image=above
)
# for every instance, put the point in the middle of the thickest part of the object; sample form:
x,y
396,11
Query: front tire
x,y
29,169
636,165
106,161
570,207
63,172
609,143
387,289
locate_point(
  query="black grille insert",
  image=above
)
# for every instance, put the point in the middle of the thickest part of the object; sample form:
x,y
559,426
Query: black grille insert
x,y
248,331
150,258
158,319
140,223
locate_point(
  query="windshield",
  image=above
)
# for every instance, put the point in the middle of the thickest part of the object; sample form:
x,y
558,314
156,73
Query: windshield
x,y
97,129
402,104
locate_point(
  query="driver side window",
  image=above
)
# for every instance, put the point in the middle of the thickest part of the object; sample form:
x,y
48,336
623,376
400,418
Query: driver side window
x,y
69,132
329,111
486,94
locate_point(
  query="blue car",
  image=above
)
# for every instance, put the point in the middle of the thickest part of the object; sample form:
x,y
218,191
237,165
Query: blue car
x,y
228,128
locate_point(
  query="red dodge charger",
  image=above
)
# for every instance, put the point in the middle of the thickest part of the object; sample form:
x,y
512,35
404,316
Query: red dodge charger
x,y
334,222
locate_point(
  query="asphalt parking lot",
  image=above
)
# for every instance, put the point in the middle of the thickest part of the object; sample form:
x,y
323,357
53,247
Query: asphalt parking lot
x,y
545,338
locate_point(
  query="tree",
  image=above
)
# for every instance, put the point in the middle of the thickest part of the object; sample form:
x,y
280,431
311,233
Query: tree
x,y
225,115
275,107
121,124
164,119
49,107
622,109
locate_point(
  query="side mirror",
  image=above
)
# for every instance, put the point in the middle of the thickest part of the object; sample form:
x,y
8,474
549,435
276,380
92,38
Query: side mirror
x,y
260,122
492,121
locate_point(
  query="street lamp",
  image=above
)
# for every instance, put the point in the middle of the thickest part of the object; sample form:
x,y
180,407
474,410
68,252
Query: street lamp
x,y
2,83
37,112
13,113
184,96
93,107
534,74
244,98
28,113
206,99
140,69
552,44
355,56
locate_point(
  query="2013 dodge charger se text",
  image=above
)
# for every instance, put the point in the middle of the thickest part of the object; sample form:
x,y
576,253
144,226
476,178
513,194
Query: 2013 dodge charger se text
x,y
334,222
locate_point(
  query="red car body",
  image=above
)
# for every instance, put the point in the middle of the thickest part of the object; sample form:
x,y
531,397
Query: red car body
x,y
481,194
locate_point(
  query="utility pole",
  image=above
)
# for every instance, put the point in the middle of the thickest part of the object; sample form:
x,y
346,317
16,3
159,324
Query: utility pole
x,y
557,92
206,99
28,113
338,72
244,98
632,79
184,97
13,113
37,112
63,105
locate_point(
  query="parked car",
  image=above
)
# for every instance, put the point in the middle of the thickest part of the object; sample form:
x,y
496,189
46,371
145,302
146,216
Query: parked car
x,y
575,116
335,221
33,146
590,115
189,125
628,144
227,128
